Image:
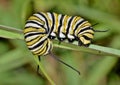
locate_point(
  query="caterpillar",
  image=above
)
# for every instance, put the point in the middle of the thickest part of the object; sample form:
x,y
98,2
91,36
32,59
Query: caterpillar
x,y
42,27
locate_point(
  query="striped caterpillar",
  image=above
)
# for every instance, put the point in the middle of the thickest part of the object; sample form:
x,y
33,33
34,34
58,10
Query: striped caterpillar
x,y
42,27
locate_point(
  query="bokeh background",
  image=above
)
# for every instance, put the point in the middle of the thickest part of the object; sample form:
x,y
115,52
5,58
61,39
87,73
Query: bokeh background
x,y
17,65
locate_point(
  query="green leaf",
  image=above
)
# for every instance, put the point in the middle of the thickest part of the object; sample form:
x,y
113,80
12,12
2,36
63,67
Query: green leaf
x,y
100,70
8,60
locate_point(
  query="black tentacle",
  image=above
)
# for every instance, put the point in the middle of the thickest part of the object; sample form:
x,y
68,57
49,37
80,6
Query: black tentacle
x,y
56,58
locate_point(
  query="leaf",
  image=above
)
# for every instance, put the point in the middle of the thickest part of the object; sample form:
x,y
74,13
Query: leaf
x,y
100,70
8,60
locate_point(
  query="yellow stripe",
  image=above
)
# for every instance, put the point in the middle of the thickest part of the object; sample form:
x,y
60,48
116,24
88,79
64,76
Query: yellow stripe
x,y
35,40
31,29
73,24
75,20
45,49
56,22
84,41
90,31
42,49
37,19
86,23
42,30
50,45
65,23
48,19
82,26
88,35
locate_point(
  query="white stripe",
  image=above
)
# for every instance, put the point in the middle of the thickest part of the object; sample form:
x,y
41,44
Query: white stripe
x,y
37,48
79,27
61,35
42,39
70,36
59,17
53,34
54,25
49,46
62,27
42,18
31,37
67,22
50,17
81,19
54,22
36,21
31,33
32,25
85,30
82,24
70,29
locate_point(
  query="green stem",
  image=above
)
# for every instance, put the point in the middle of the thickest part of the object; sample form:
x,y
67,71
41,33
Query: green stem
x,y
11,29
43,70
94,49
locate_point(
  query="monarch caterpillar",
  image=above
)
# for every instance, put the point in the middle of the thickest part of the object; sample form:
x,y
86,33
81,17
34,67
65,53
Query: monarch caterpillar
x,y
42,27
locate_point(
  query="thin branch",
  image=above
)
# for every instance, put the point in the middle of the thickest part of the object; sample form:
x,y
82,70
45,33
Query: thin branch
x,y
43,70
94,49
11,29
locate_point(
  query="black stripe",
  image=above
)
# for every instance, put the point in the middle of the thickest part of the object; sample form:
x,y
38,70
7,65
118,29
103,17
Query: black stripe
x,y
69,24
45,20
89,33
30,27
36,30
40,43
31,34
33,39
87,28
38,18
78,25
59,27
30,21
50,47
86,37
53,22
43,48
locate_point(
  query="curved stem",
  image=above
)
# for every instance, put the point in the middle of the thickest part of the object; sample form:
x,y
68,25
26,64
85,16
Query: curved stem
x,y
43,70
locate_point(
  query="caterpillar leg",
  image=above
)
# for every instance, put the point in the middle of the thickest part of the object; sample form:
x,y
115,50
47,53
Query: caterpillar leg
x,y
38,65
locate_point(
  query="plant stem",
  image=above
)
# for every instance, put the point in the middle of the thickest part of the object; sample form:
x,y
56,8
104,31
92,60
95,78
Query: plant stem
x,y
11,29
94,49
43,70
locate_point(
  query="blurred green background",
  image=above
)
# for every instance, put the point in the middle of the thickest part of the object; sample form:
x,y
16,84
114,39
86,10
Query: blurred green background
x,y
17,65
